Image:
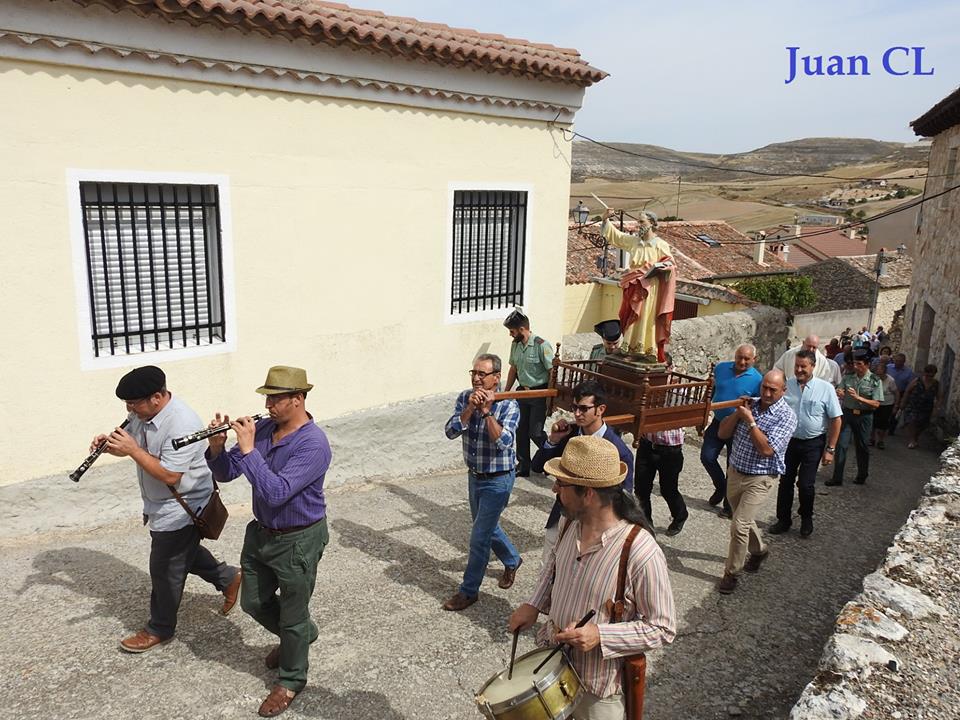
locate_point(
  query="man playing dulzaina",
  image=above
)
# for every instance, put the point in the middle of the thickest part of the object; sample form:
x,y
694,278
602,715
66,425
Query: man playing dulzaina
x,y
285,458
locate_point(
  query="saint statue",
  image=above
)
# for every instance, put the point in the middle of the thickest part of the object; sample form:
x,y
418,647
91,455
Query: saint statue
x,y
649,287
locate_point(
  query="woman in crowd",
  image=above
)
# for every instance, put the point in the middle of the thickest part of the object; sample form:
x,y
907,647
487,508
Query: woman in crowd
x,y
883,414
919,403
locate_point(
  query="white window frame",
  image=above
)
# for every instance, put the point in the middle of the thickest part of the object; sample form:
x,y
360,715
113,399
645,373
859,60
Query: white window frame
x,y
88,359
450,318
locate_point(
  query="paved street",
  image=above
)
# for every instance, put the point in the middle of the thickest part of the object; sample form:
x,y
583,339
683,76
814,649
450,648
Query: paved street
x,y
74,563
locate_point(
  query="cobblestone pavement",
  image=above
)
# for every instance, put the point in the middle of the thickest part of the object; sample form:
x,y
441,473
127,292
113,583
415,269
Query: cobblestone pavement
x,y
74,563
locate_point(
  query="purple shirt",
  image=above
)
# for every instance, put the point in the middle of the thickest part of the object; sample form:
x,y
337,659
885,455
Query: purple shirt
x,y
286,477
901,377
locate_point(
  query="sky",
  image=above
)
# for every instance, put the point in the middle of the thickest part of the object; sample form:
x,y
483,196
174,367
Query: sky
x,y
708,76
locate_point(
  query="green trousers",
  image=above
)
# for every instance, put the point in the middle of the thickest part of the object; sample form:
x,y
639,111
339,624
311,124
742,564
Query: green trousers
x,y
279,574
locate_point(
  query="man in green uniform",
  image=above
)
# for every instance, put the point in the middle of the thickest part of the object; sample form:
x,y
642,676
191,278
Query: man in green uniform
x,y
612,336
860,393
531,359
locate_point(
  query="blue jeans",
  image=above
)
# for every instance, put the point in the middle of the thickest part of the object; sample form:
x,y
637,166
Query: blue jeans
x,y
710,451
488,498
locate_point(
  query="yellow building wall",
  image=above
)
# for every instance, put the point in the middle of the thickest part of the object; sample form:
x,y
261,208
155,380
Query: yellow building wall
x,y
340,215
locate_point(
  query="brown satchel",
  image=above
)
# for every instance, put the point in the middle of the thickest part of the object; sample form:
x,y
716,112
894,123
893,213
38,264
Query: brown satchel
x,y
634,666
212,518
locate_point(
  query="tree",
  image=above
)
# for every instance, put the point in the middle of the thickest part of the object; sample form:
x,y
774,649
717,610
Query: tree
x,y
787,292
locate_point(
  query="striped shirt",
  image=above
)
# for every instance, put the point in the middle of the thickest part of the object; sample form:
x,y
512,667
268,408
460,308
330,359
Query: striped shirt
x,y
777,422
672,437
585,579
480,453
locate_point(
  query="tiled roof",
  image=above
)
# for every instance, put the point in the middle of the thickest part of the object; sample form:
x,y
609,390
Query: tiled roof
x,y
899,272
817,243
942,116
694,258
340,25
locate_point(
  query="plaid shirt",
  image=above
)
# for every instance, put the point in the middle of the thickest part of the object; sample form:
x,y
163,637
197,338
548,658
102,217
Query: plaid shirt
x,y
777,422
480,453
672,437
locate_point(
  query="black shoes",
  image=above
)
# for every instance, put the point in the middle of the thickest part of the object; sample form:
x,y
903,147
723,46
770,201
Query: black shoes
x,y
675,527
806,527
833,482
727,584
717,496
859,481
726,511
778,528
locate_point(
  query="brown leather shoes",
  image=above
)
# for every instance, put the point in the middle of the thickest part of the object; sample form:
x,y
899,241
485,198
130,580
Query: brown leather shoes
x,y
509,575
272,660
459,602
143,641
232,592
754,562
277,701
727,584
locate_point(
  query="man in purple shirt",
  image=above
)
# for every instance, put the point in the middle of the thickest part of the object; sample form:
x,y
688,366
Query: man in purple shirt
x,y
285,458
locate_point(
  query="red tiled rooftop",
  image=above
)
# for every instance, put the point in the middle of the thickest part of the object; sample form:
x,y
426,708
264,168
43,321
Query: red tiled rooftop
x,y
818,243
337,25
694,258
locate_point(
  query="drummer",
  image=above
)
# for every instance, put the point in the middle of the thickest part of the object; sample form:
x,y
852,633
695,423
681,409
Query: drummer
x,y
582,576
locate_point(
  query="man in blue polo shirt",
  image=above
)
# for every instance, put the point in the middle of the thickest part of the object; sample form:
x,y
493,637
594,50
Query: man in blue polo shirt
x,y
815,403
731,380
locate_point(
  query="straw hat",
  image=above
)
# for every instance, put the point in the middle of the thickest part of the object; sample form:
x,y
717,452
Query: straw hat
x,y
588,461
284,379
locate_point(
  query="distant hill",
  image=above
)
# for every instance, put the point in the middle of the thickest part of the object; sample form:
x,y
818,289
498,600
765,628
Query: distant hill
x,y
810,155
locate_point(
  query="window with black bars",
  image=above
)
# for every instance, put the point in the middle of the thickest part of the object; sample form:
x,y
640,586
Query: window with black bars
x,y
489,238
154,268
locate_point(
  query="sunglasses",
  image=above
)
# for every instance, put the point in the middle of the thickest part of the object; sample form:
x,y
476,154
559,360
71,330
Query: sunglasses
x,y
583,409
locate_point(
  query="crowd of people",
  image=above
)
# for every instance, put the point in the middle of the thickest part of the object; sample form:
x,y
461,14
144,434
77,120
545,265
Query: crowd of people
x,y
599,548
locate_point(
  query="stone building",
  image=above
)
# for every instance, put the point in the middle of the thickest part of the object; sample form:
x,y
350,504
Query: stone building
x,y
931,328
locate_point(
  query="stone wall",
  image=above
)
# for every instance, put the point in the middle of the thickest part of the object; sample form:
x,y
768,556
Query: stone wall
x,y
698,342
936,265
895,645
888,302
827,325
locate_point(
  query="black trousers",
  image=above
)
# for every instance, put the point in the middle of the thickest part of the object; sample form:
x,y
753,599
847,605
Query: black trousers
x,y
533,414
802,460
859,426
667,460
173,554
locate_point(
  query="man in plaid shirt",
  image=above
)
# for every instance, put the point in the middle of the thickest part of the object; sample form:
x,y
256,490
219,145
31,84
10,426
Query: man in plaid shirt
x,y
488,430
761,429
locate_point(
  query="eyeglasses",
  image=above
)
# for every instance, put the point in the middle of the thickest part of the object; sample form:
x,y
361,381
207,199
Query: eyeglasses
x,y
274,399
481,374
582,409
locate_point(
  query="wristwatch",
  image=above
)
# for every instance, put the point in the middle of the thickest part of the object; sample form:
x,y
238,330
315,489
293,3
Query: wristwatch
x,y
752,425
829,449
486,415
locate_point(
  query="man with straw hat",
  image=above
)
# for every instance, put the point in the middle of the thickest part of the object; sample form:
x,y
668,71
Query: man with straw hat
x,y
285,458
582,576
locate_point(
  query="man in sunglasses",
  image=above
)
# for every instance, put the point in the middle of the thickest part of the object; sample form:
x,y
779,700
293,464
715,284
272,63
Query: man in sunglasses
x,y
487,429
589,406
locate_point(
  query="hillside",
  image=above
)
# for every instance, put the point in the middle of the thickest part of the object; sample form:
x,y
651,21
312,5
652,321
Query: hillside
x,y
809,155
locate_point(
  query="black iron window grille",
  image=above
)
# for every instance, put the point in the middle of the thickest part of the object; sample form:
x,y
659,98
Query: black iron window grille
x,y
154,266
489,240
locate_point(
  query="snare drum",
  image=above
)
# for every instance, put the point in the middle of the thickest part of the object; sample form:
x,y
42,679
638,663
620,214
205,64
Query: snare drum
x,y
551,694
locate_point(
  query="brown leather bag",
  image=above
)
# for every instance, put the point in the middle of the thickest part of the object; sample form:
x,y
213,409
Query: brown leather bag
x,y
212,518
634,666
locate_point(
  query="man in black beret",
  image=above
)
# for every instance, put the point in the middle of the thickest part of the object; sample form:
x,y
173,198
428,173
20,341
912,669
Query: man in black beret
x,y
612,336
155,418
860,393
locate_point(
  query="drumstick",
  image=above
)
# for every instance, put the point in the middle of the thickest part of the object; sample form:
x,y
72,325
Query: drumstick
x,y
605,206
583,621
513,653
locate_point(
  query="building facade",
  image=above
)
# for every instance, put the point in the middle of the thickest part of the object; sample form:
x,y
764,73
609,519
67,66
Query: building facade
x,y
931,327
217,189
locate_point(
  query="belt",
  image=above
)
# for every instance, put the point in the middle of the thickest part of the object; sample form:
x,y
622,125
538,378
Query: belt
x,y
661,445
488,475
284,531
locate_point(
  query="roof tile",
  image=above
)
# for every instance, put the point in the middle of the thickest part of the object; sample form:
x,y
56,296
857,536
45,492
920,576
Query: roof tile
x,y
337,24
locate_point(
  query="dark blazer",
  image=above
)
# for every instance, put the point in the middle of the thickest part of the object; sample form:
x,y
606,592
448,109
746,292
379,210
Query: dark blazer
x,y
544,454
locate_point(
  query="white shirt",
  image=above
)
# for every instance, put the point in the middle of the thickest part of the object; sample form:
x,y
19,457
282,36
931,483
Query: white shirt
x,y
825,368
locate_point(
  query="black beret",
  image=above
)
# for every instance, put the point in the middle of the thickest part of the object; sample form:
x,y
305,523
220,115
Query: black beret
x,y
609,330
861,355
141,382
516,319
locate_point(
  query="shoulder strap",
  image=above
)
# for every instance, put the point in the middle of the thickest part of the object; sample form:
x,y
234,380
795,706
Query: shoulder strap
x,y
617,612
557,547
197,520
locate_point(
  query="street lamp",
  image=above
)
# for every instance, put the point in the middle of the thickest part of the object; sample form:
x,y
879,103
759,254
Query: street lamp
x,y
581,213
